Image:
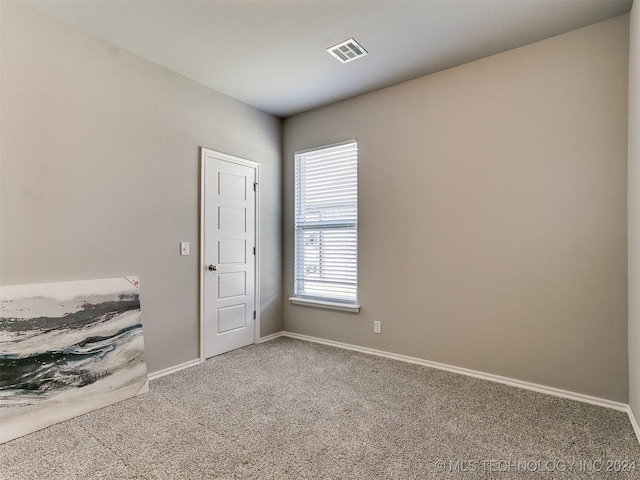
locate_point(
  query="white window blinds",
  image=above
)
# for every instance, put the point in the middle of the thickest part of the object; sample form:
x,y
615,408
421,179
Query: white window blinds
x,y
326,224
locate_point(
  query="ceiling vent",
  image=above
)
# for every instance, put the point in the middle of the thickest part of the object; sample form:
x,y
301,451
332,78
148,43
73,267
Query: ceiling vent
x,y
347,51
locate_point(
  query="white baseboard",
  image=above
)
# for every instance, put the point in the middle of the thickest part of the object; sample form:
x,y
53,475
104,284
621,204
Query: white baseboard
x,y
175,368
634,422
602,402
273,336
197,361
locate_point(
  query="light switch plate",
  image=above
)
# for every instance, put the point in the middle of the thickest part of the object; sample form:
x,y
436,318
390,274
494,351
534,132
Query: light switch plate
x,y
184,248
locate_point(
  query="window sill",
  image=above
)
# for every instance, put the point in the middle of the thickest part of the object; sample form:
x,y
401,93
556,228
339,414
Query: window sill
x,y
344,307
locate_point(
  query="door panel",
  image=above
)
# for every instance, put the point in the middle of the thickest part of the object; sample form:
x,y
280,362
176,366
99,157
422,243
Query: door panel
x,y
232,251
231,318
233,219
231,284
231,186
229,260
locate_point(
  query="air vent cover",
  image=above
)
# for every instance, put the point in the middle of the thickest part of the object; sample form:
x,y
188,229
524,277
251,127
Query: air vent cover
x,y
347,51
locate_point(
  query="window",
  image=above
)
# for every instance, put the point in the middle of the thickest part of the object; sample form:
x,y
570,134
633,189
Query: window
x,y
326,227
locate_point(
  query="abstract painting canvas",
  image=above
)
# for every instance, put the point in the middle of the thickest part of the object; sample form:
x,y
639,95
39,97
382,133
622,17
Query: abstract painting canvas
x,y
67,348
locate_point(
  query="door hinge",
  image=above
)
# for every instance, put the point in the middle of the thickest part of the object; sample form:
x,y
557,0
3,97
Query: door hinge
x,y
254,314
255,185
254,250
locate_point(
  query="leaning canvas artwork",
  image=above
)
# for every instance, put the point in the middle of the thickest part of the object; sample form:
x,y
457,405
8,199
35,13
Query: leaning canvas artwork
x,y
67,348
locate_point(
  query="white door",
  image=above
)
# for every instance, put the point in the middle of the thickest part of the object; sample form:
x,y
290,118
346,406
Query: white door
x,y
228,252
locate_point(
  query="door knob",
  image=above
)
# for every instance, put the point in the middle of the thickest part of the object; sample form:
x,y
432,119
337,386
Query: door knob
x,y
212,268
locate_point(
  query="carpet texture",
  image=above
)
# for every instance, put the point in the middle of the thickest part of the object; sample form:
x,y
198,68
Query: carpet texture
x,y
289,409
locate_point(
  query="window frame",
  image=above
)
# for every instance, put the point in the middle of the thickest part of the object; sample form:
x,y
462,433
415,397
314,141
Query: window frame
x,y
327,302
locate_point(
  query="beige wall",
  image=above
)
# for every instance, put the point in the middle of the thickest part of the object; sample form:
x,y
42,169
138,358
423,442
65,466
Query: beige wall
x,y
492,214
633,206
100,174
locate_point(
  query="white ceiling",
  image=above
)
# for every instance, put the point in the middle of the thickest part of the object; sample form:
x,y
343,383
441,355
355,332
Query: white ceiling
x,y
272,53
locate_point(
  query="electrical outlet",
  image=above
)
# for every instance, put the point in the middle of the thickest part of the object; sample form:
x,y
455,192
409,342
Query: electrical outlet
x,y
377,327
184,248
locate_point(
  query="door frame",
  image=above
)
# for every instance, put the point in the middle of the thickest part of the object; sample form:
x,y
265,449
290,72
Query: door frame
x,y
204,152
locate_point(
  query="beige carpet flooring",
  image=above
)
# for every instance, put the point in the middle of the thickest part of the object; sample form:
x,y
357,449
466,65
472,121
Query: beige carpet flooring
x,y
289,409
